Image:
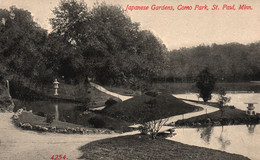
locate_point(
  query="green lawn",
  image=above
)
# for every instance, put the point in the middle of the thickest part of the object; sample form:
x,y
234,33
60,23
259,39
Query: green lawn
x,y
139,107
27,117
142,147
228,116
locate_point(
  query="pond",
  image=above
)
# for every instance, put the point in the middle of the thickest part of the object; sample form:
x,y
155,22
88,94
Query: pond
x,y
240,139
68,112
237,99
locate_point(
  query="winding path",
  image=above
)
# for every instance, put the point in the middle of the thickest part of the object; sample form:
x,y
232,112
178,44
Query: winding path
x,y
16,144
206,108
102,89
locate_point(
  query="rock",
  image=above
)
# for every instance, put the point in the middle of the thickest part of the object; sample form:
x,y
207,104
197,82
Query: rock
x,y
62,130
15,117
19,124
40,128
82,131
27,126
52,129
45,129
70,130
108,132
37,127
74,130
19,111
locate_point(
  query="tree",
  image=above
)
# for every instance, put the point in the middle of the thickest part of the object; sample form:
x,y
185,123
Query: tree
x,y
106,44
150,125
205,83
21,42
222,99
69,21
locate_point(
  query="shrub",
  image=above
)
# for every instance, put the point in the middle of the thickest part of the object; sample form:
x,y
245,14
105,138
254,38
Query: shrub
x,y
97,122
151,93
205,83
42,114
111,101
50,118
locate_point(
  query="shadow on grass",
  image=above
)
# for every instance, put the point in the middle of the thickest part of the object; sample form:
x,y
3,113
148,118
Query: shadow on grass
x,y
143,147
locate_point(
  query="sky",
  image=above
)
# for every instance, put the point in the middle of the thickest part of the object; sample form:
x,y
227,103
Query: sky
x,y
178,28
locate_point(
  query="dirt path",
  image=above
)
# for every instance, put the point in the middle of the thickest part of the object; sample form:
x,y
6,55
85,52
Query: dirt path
x,y
17,144
206,108
102,89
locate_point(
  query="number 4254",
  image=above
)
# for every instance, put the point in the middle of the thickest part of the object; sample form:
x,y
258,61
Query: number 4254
x,y
58,157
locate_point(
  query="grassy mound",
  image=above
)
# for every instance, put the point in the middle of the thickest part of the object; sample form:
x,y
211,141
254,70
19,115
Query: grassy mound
x,y
29,121
27,117
228,116
142,147
67,93
148,108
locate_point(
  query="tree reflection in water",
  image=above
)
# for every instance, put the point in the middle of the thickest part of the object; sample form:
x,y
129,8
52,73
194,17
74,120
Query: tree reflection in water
x,y
223,142
206,133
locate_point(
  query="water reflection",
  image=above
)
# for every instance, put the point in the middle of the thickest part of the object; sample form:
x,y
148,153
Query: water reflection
x,y
239,139
222,140
56,111
251,128
206,133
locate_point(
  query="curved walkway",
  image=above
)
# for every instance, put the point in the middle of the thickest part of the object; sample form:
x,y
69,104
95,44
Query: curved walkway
x,y
102,89
16,144
206,108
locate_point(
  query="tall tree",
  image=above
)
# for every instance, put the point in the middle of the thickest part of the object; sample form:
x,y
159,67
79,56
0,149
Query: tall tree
x,y
107,46
21,42
205,83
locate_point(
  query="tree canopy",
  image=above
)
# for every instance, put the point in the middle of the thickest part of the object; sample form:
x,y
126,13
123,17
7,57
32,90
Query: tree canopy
x,y
106,44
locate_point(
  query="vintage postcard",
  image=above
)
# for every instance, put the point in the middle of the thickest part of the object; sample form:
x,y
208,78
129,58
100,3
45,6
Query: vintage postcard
x,y
129,79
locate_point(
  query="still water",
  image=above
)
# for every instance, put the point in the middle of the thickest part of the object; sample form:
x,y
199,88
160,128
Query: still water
x,y
63,111
240,139
237,99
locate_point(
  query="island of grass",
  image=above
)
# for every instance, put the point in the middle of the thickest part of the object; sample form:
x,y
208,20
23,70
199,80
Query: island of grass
x,y
86,121
149,107
29,121
229,115
142,147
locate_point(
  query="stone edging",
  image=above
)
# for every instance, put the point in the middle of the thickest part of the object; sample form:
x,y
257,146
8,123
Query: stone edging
x,y
67,130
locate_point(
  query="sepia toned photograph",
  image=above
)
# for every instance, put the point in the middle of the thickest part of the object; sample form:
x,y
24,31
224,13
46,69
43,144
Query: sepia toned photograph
x,y
130,79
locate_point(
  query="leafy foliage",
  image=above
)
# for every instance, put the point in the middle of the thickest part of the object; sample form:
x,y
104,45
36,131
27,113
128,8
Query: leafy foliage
x,y
222,99
106,44
97,122
205,83
21,42
231,62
